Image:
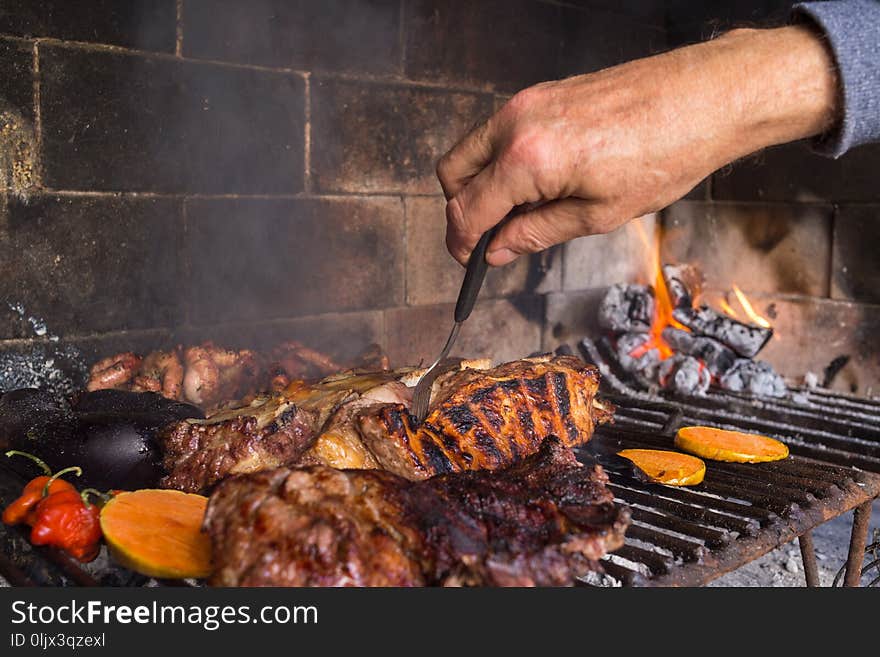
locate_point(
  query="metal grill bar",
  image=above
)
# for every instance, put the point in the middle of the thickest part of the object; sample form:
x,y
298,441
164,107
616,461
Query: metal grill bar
x,y
835,446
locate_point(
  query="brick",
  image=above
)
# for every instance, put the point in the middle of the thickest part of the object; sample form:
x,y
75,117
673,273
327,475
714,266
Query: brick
x,y
341,335
350,36
595,40
254,259
432,276
503,330
369,137
760,247
810,333
17,81
793,173
159,124
495,44
603,260
89,264
19,166
570,316
855,271
142,24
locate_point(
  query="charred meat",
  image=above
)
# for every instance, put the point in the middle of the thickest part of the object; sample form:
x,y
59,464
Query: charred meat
x,y
479,419
271,432
541,522
487,419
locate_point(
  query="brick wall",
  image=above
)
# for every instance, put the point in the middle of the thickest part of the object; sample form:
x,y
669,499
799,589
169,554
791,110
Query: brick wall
x,y
255,171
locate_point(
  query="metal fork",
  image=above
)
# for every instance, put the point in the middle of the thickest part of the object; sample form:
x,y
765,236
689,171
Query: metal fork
x,y
467,297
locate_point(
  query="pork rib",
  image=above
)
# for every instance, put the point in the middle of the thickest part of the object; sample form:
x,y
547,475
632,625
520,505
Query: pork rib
x,y
541,522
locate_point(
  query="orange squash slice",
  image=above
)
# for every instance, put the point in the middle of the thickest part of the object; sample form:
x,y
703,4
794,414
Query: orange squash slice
x,y
665,467
158,533
734,446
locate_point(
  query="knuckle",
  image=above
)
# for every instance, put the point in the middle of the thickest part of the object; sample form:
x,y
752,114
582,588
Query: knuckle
x,y
524,99
532,151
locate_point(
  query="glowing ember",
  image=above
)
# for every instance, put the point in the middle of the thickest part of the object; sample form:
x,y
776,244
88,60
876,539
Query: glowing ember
x,y
747,308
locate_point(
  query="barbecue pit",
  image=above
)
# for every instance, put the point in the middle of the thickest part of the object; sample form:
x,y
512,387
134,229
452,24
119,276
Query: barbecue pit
x,y
679,536
181,172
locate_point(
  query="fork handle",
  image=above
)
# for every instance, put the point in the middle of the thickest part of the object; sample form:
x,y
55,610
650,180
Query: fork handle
x,y
473,276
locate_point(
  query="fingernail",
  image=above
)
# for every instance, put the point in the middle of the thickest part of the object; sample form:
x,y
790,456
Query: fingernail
x,y
500,257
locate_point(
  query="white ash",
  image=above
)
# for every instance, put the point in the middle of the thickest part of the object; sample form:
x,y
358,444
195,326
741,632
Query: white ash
x,y
717,357
627,308
38,326
685,375
756,377
58,368
645,364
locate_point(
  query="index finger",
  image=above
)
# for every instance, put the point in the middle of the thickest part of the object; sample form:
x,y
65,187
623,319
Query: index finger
x,y
466,159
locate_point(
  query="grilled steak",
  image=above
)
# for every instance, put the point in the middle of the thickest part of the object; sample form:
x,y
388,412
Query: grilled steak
x,y
487,419
541,522
269,433
480,419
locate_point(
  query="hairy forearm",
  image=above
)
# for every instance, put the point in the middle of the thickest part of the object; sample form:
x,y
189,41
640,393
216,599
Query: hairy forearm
x,y
593,151
786,85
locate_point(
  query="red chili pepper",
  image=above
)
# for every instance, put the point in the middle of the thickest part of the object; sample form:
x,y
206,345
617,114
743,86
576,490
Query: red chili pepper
x,y
58,514
67,521
37,488
22,508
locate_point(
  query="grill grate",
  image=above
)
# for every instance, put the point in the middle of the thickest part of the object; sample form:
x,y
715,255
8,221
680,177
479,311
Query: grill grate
x,y
679,536
740,511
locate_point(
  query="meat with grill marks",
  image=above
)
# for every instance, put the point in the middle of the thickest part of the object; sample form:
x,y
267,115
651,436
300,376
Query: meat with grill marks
x,y
479,419
269,433
487,419
541,522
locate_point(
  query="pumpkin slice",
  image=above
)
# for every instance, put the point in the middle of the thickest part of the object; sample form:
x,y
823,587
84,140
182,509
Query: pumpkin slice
x,y
734,446
158,533
664,467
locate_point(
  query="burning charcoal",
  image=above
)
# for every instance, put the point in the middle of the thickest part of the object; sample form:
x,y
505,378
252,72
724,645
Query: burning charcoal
x,y
627,308
685,375
717,358
637,353
745,339
755,377
684,283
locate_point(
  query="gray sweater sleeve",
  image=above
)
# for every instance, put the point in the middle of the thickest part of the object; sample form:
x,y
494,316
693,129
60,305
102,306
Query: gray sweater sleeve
x,y
852,28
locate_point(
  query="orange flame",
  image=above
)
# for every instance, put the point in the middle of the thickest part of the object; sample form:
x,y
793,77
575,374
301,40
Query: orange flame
x,y
663,303
747,308
726,307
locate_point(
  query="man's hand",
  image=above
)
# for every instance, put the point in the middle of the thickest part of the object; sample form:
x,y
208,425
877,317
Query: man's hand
x,y
598,150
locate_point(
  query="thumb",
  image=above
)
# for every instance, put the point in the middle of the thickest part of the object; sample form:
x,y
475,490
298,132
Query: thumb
x,y
538,229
